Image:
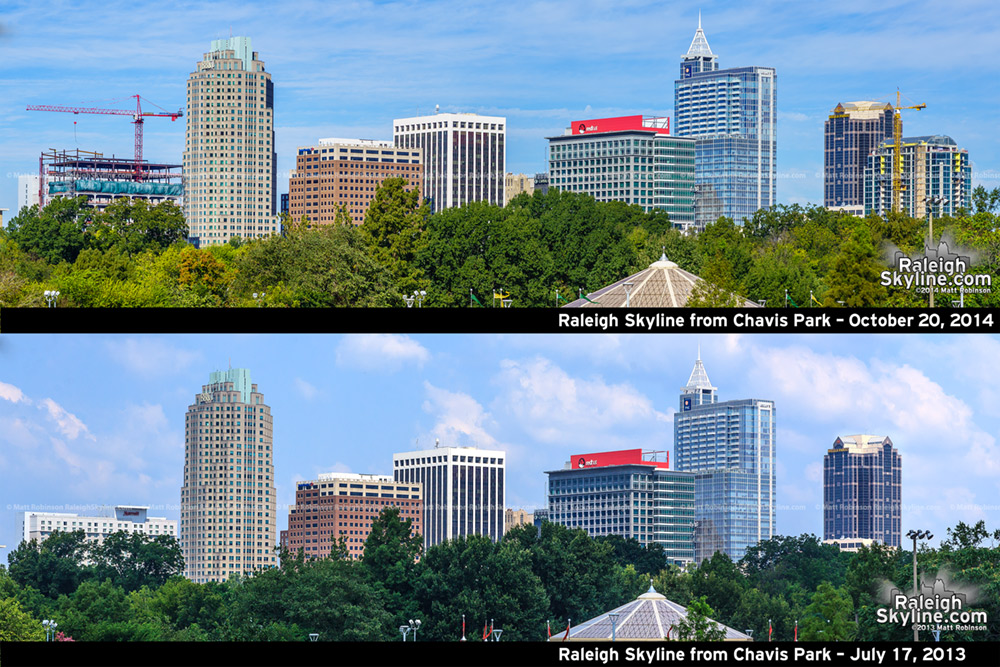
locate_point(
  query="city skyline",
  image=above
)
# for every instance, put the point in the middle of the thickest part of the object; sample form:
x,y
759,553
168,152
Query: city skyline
x,y
400,59
99,419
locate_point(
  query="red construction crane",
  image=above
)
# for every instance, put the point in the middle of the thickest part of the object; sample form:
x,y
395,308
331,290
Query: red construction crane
x,y
138,116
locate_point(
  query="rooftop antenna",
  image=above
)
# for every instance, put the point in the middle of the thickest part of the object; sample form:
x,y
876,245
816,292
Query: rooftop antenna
x,y
437,442
699,351
437,108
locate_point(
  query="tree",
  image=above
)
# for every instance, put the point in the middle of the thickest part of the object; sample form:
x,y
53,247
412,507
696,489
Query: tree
x,y
855,275
721,583
649,559
390,561
778,268
17,625
963,536
54,566
328,596
394,228
56,233
473,576
697,624
326,266
717,288
131,226
134,560
829,617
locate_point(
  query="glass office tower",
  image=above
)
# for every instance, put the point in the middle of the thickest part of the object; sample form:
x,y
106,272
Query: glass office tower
x,y
732,113
730,447
862,489
628,493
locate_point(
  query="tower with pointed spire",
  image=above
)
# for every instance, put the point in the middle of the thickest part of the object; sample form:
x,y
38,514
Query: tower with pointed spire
x,y
698,390
699,56
732,115
730,447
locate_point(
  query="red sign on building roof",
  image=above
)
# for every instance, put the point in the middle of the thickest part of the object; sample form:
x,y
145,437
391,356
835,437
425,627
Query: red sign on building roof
x,y
598,125
616,458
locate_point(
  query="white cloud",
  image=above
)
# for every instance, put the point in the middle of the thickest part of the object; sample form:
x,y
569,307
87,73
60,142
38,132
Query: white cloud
x,y
460,419
554,407
307,390
18,432
150,356
814,472
386,352
13,394
68,423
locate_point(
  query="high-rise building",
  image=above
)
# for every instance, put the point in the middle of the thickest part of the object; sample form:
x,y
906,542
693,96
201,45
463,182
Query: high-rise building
x,y
632,159
346,172
129,518
228,497
628,493
343,505
862,490
933,166
732,113
730,448
464,156
230,167
464,490
851,133
515,184
27,191
514,518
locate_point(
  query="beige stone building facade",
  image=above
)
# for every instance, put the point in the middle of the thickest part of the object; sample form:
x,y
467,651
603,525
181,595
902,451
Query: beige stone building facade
x,y
514,518
346,172
228,499
229,159
515,184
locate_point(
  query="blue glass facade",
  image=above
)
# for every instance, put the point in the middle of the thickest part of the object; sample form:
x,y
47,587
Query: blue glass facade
x,y
862,490
640,501
730,447
851,133
732,115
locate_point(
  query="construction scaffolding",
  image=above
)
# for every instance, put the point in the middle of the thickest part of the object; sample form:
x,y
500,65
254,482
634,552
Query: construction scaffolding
x,y
101,180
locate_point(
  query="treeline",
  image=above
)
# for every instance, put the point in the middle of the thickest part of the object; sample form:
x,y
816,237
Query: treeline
x,y
529,578
533,249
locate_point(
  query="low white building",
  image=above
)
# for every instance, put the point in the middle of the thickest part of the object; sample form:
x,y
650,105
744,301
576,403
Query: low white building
x,y
131,518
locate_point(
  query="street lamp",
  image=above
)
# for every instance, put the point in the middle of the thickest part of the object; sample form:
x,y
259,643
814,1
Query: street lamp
x,y
917,535
414,626
497,632
314,636
614,621
259,298
51,296
50,629
936,200
750,633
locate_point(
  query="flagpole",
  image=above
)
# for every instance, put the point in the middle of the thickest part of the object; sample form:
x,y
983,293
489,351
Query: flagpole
x,y
463,627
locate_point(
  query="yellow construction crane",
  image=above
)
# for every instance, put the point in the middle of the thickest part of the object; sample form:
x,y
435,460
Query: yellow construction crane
x,y
897,157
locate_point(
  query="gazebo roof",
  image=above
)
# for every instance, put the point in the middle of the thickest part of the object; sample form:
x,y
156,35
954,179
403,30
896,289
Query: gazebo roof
x,y
662,285
651,616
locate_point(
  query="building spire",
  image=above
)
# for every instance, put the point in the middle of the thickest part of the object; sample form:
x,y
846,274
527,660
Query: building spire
x,y
699,45
699,376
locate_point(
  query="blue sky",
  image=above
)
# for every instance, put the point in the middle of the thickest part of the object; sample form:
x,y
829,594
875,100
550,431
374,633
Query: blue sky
x,y
99,419
346,69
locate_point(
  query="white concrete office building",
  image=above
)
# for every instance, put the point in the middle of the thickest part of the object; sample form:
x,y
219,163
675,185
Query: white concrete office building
x,y
464,490
464,156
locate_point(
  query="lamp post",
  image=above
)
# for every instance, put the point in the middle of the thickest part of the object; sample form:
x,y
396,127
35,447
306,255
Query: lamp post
x,y
259,298
936,200
750,633
917,535
614,621
50,629
51,296
314,636
497,632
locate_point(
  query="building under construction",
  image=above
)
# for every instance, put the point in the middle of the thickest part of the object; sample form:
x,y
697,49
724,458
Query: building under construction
x,y
102,180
